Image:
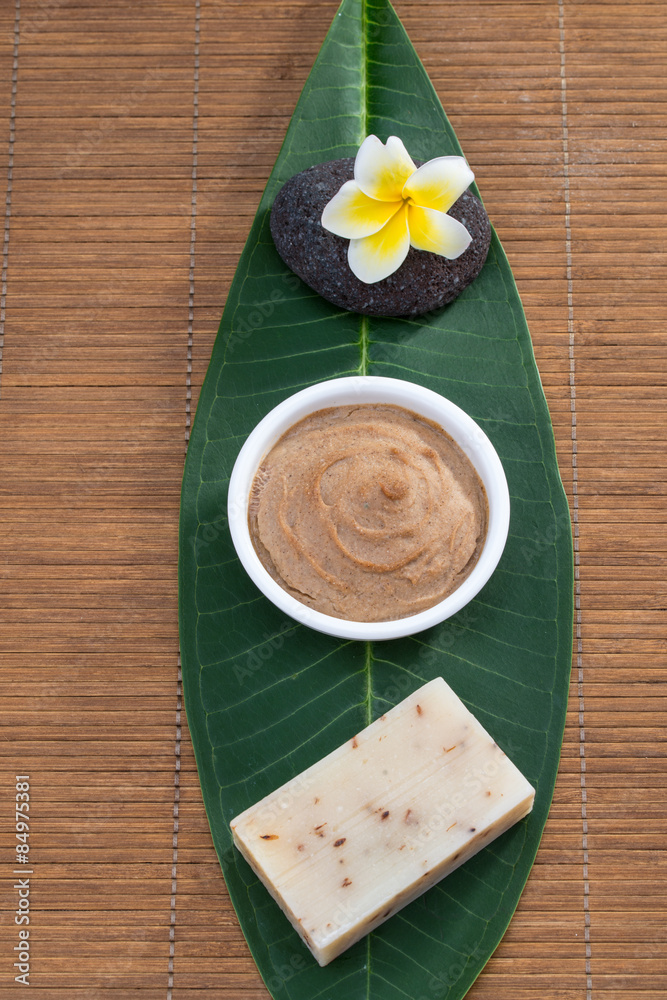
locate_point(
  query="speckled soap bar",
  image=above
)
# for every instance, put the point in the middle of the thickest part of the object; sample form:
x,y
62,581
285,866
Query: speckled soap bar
x,y
380,820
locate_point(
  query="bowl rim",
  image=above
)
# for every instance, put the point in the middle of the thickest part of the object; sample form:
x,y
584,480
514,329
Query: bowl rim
x,y
370,389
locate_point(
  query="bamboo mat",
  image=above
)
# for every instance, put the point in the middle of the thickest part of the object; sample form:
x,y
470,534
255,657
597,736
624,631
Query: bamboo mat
x,y
135,140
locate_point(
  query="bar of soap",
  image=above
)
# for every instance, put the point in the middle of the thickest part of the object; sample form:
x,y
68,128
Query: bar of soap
x,y
377,822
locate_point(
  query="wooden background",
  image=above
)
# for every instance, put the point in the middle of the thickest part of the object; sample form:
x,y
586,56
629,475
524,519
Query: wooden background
x,y
135,141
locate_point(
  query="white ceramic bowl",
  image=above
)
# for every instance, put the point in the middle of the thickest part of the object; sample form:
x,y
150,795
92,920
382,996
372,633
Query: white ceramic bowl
x,y
370,389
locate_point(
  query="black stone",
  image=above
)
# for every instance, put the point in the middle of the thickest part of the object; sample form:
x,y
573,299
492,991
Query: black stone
x,y
424,281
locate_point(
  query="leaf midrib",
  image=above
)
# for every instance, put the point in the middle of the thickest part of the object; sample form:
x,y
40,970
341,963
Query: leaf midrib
x,y
363,116
363,128
364,338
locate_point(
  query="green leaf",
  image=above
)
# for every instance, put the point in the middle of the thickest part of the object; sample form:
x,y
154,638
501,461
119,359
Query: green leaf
x,y
266,698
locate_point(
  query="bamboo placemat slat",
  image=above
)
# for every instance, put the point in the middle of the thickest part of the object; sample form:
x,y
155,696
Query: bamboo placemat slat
x,y
121,239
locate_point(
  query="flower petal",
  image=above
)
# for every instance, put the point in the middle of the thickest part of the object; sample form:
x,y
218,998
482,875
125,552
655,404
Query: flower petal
x,y
376,257
381,171
438,183
352,214
437,232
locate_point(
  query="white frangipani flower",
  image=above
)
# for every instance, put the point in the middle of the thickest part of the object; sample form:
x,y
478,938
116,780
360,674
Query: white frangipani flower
x,y
392,205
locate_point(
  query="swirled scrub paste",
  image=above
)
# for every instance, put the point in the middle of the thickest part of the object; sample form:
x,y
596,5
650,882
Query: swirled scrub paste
x,y
367,512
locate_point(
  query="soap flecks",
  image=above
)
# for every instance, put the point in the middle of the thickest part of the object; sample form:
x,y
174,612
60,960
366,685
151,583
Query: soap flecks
x,y
355,807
